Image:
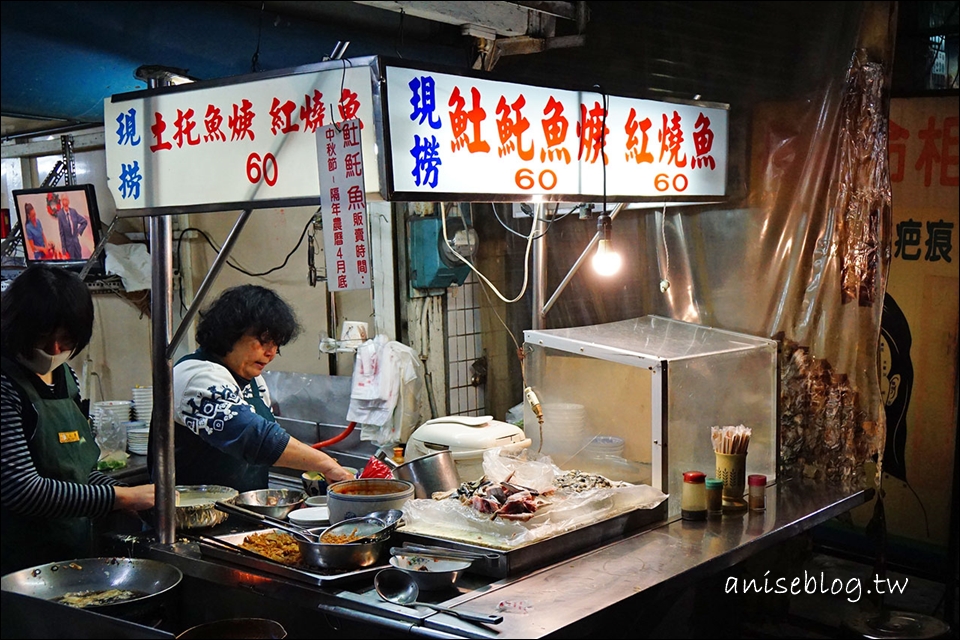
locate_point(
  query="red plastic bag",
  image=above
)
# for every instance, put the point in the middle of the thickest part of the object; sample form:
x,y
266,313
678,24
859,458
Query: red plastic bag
x,y
376,468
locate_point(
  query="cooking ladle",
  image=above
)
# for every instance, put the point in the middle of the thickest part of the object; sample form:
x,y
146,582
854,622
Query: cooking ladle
x,y
269,521
393,585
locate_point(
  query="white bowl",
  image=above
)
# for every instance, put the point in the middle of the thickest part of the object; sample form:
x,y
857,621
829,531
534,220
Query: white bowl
x,y
316,501
310,516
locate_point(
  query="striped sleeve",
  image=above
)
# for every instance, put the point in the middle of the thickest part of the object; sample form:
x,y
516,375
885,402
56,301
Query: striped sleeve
x,y
22,489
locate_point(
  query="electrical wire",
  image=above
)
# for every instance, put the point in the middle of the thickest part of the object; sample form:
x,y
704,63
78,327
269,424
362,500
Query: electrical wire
x,y
230,264
256,54
549,221
483,278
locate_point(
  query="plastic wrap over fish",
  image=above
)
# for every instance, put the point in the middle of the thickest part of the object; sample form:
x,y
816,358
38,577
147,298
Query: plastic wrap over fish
x,y
523,499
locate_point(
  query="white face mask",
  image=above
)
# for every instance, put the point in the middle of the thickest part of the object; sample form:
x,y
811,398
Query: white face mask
x,y
42,363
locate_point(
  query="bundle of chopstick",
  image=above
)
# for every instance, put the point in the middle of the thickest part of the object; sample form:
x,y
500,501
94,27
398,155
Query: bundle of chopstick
x,y
730,439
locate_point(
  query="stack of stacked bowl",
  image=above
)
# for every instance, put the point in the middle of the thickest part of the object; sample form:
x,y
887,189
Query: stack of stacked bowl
x,y
142,403
564,428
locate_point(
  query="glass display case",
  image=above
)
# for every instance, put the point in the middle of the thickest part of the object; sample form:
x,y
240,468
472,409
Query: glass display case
x,y
635,400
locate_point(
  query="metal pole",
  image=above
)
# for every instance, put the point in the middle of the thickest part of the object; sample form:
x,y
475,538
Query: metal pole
x,y
161,304
332,327
99,248
208,281
539,267
576,265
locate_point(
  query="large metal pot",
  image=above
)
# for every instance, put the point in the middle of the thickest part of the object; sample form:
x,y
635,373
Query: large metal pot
x,y
152,581
354,498
352,555
430,473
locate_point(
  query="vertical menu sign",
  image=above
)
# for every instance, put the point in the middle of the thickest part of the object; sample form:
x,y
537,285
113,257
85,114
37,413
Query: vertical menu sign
x,y
340,161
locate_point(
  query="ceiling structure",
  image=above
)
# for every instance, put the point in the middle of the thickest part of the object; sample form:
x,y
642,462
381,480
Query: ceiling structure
x,y
57,72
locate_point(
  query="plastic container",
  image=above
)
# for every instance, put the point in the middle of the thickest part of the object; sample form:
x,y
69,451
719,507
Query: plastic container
x,y
756,498
605,446
650,381
693,501
714,490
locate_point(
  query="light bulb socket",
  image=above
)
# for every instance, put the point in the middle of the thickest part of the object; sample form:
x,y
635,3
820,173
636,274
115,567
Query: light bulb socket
x,y
604,226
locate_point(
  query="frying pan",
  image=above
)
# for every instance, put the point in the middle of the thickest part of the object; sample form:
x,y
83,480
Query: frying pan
x,y
150,579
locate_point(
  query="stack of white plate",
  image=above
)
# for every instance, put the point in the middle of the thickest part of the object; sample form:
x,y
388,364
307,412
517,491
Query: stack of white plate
x,y
109,411
142,403
564,427
138,436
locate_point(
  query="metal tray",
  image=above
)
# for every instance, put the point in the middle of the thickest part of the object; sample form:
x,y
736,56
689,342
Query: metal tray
x,y
314,576
532,556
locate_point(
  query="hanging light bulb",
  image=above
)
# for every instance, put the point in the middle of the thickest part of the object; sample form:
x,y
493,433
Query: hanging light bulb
x,y
606,261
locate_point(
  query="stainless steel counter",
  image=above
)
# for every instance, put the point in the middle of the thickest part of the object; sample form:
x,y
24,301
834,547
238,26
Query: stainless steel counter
x,y
553,599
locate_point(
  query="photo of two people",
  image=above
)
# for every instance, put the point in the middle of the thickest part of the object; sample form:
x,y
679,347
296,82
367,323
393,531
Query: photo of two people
x,y
57,224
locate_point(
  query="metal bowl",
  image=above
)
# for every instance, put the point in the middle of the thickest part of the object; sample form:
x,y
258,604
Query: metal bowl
x,y
353,555
276,503
236,628
196,505
431,574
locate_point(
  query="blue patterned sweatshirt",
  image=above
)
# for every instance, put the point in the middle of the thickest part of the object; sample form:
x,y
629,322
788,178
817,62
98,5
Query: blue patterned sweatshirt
x,y
219,436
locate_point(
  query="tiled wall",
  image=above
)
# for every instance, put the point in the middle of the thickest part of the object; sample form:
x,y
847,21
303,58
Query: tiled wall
x,y
463,347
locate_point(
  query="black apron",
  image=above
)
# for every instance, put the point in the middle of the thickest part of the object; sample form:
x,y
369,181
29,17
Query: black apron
x,y
200,463
62,448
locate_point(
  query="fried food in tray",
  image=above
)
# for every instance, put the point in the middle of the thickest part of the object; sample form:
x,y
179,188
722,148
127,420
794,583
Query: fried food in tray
x,y
275,545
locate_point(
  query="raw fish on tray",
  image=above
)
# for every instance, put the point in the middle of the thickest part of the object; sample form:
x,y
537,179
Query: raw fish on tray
x,y
521,499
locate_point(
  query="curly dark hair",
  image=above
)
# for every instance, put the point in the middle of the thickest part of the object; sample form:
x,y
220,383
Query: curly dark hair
x,y
246,310
41,301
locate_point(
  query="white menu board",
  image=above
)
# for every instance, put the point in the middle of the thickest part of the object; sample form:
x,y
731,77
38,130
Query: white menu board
x,y
465,136
246,142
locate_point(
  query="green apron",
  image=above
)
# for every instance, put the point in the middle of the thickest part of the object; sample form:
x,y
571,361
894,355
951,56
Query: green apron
x,y
62,448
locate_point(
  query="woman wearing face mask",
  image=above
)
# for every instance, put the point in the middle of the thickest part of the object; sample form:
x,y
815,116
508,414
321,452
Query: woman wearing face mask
x,y
49,486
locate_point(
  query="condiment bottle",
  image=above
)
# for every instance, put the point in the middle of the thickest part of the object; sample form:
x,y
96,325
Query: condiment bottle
x,y
714,489
398,455
693,499
757,492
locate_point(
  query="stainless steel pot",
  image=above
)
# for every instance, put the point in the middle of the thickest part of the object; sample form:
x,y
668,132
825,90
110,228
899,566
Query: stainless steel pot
x,y
342,556
152,581
430,473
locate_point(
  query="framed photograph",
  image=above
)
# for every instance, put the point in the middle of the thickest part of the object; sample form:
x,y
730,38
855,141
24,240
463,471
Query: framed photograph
x,y
60,225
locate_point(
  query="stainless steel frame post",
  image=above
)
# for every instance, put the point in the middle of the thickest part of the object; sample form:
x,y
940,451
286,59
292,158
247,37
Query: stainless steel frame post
x,y
539,267
161,302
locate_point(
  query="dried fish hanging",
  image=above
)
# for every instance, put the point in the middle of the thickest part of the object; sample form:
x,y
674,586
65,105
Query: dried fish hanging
x,y
822,429
862,199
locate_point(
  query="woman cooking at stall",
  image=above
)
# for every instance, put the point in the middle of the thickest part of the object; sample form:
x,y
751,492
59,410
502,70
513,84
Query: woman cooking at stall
x,y
226,434
49,487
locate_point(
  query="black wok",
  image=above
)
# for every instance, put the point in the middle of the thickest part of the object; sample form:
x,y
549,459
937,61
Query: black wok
x,y
152,581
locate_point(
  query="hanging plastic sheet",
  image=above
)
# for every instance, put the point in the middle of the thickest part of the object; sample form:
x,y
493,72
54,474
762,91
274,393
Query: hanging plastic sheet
x,y
798,252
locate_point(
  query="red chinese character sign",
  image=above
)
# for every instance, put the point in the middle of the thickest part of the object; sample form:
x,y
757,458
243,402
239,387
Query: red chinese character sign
x,y
344,206
197,146
458,135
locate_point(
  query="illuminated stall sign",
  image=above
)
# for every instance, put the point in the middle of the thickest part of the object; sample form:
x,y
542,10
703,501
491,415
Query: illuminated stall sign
x,y
461,136
248,143
340,158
